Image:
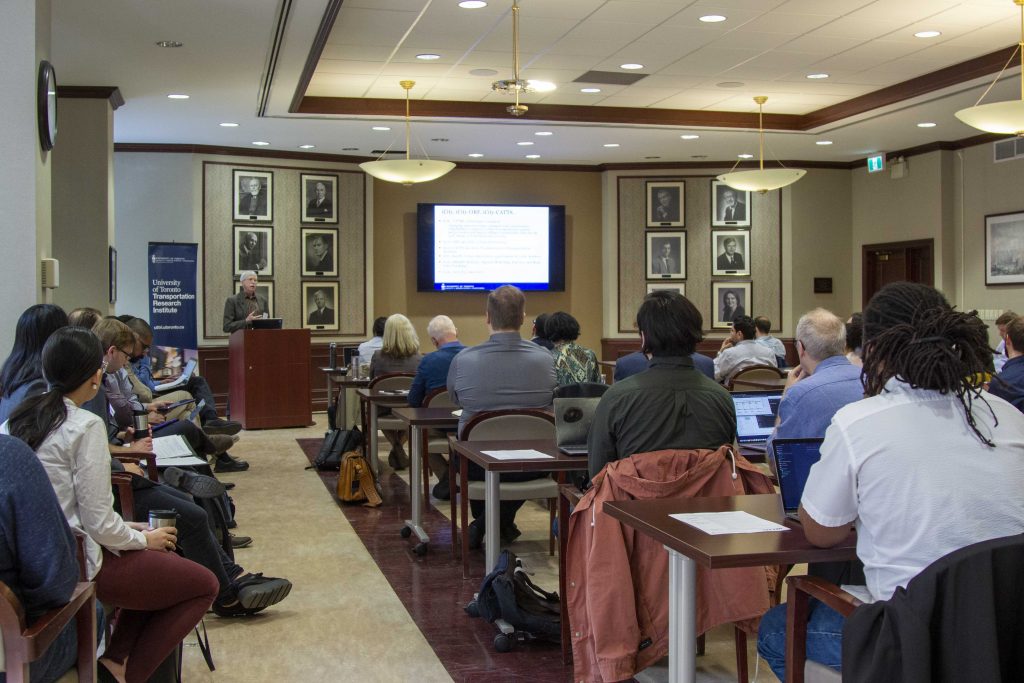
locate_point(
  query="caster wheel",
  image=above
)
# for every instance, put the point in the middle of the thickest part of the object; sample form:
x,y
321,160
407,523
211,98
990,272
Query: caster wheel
x,y
420,549
472,610
406,532
502,643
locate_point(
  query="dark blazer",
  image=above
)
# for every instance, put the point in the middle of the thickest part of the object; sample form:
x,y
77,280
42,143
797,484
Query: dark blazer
x,y
325,317
236,310
246,199
737,261
324,265
325,209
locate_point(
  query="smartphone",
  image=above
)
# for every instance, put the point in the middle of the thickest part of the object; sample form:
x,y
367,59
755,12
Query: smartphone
x,y
176,405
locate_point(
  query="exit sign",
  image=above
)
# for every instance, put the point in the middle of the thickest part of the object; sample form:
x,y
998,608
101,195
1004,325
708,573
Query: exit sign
x,y
876,163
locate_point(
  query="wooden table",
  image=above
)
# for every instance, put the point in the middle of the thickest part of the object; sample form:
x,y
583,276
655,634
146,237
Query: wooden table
x,y
493,467
376,399
419,420
687,547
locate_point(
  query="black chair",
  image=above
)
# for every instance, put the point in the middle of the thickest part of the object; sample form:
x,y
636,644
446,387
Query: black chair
x,y
581,390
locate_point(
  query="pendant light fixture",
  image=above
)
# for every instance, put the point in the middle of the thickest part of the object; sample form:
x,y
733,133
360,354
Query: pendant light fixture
x,y
1000,117
407,171
516,85
763,179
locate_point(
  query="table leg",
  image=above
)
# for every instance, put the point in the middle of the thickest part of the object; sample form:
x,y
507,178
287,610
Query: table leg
x,y
682,618
563,545
341,413
330,389
415,523
372,440
492,503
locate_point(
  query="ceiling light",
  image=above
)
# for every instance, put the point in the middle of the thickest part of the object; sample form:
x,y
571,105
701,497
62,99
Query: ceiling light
x,y
475,155
712,18
815,77
533,156
307,146
407,171
763,179
525,143
543,133
928,34
381,128
590,90
516,85
228,124
745,156
926,124
168,43
611,144
177,96
631,67
999,117
427,57
472,4
823,142
689,136
540,86
260,143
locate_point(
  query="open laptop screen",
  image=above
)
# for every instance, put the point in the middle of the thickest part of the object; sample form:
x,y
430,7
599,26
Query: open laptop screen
x,y
755,415
793,460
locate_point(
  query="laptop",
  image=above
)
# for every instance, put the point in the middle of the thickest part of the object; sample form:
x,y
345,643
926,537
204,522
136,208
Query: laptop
x,y
792,460
181,380
267,323
755,416
573,417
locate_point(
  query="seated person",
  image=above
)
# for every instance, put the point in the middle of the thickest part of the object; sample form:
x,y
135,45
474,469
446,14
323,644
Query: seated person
x,y
1000,357
740,350
84,317
762,333
540,336
891,463
854,339
400,353
367,348
22,373
638,361
573,363
1009,383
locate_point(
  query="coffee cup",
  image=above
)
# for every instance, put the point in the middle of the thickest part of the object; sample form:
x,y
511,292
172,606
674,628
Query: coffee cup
x,y
162,518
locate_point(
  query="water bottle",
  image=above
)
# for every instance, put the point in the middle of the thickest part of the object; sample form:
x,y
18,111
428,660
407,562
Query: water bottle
x,y
140,422
332,355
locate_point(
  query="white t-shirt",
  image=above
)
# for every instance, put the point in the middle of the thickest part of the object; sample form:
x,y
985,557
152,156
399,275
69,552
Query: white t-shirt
x,y
919,483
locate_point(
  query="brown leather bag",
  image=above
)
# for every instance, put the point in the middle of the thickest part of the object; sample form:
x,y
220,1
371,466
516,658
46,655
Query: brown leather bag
x,y
355,481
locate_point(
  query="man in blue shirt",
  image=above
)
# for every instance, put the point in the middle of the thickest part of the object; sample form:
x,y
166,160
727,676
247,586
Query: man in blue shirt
x,y
1009,383
636,362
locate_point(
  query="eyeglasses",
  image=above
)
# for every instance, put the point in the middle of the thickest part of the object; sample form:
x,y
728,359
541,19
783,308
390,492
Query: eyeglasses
x,y
127,354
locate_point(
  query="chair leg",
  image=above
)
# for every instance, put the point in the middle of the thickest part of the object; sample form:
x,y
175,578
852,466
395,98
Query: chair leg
x,y
741,655
464,509
700,645
551,526
452,500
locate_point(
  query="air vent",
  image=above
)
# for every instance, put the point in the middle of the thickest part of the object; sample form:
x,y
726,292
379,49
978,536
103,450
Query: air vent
x,y
387,151
1008,150
610,78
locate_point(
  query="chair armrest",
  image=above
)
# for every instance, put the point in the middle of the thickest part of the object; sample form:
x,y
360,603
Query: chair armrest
x,y
122,481
151,471
828,593
46,628
801,589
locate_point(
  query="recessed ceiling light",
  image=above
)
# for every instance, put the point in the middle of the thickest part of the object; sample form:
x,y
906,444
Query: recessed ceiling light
x,y
543,133
428,56
926,124
177,96
483,72
815,77
229,124
475,155
472,4
533,156
307,146
541,86
745,156
524,143
381,128
823,142
260,143
168,43
611,144
590,90
712,18
928,34
631,67
689,136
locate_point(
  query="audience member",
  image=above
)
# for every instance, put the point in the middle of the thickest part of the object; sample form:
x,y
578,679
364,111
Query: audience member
x,y
739,351
672,404
573,363
1009,383
506,371
368,347
242,308
854,339
400,352
1000,357
22,373
927,464
762,335
84,317
540,335
632,363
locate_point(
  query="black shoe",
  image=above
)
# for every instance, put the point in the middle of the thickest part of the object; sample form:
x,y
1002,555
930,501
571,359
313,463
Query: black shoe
x,y
475,536
198,485
228,485
220,426
508,536
239,541
441,491
256,591
225,463
395,462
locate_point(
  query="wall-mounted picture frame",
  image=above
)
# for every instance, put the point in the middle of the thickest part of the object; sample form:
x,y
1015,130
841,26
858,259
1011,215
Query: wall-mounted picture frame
x,y
1004,248
320,306
319,198
112,273
666,204
730,252
728,300
666,255
729,207
679,287
254,249
319,252
266,290
253,197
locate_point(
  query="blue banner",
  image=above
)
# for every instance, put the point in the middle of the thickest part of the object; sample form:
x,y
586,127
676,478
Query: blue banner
x,y
172,293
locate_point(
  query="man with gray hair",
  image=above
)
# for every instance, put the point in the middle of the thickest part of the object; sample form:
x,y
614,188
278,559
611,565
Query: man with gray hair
x,y
242,308
822,383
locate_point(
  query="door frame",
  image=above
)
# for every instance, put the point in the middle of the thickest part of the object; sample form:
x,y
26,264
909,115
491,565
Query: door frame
x,y
867,249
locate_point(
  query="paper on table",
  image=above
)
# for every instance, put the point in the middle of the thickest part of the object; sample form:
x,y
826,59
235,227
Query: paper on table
x,y
716,523
173,446
527,454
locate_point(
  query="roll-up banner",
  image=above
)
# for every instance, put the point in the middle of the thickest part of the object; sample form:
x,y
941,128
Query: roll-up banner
x,y
172,294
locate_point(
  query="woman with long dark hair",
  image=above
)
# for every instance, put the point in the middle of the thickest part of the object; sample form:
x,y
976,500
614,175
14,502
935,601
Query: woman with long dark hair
x,y
162,596
22,374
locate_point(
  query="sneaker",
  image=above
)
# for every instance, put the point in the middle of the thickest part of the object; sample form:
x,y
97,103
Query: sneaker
x,y
197,485
225,463
239,541
221,426
257,592
221,442
475,536
508,536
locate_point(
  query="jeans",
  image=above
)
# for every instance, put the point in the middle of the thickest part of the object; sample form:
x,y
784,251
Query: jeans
x,y
824,637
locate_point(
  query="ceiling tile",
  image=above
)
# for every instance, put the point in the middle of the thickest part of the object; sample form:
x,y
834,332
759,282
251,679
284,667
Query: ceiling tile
x,y
653,12
821,45
694,99
850,27
709,60
818,7
370,27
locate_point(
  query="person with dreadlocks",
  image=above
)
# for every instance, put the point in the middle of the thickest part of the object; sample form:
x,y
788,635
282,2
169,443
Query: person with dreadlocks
x,y
928,463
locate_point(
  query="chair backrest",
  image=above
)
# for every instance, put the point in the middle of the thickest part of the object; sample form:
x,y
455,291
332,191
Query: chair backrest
x,y
392,381
756,372
581,390
498,425
438,398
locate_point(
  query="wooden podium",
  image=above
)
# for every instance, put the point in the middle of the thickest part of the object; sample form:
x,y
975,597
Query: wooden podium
x,y
268,373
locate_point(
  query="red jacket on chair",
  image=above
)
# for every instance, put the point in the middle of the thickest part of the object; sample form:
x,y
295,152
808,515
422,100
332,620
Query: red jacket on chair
x,y
617,578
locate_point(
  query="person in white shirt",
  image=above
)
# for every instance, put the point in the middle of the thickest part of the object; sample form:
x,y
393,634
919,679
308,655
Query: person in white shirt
x,y
740,350
929,463
762,332
367,348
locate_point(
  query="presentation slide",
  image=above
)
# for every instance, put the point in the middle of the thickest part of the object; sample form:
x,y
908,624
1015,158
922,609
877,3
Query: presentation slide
x,y
478,246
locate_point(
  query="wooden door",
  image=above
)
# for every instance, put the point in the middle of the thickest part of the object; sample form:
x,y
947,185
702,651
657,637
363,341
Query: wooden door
x,y
896,262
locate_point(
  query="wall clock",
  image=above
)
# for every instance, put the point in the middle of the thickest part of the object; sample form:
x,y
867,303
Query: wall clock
x,y
47,105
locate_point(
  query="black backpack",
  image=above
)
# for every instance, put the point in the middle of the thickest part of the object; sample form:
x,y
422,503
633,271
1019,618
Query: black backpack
x,y
508,593
336,442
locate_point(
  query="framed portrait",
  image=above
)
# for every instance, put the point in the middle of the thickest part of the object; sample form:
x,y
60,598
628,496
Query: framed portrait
x,y
666,204
729,207
1004,249
666,255
254,250
320,305
253,198
675,287
319,198
729,299
319,252
730,252
266,290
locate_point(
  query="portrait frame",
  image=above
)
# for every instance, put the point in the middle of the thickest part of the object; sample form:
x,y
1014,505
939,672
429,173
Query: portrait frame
x,y
718,265
308,212
264,247
655,242
309,290
240,178
266,289
718,192
1004,248
743,291
674,287
675,191
308,258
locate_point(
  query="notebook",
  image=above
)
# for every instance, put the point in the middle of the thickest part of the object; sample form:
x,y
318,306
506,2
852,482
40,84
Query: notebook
x,y
755,416
792,460
573,417
182,379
